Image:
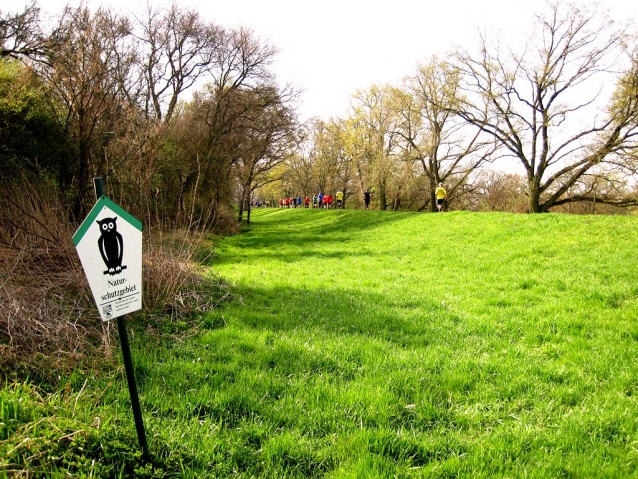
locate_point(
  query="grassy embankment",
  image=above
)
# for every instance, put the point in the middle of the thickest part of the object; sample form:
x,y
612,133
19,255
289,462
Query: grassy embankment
x,y
375,344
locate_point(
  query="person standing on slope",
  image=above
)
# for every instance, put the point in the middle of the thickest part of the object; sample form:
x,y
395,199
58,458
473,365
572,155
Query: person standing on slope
x,y
366,198
440,194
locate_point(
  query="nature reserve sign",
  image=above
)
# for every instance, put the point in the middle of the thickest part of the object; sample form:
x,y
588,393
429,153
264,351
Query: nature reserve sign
x,y
109,244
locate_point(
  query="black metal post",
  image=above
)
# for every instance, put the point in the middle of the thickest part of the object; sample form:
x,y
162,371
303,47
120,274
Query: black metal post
x,y
128,361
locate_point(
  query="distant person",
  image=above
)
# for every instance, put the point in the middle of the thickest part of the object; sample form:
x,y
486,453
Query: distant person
x,y
440,194
320,199
328,201
314,201
340,199
307,201
366,198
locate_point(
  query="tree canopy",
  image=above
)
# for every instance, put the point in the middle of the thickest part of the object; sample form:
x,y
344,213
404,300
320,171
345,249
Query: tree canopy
x,y
185,119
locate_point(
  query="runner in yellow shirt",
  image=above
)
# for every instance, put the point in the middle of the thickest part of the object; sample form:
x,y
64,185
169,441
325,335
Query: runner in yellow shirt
x,y
440,194
339,199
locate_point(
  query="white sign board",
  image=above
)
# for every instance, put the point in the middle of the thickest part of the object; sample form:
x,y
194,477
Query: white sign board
x,y
109,244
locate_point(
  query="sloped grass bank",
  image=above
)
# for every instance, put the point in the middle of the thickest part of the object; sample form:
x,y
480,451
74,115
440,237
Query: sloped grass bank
x,y
374,344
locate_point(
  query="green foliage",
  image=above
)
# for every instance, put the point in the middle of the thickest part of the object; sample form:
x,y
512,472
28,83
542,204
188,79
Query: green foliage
x,y
29,138
374,344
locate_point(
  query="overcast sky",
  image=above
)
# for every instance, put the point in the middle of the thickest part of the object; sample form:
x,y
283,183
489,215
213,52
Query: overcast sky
x,y
329,49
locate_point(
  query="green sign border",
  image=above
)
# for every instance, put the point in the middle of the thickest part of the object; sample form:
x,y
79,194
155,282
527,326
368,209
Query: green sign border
x,y
95,211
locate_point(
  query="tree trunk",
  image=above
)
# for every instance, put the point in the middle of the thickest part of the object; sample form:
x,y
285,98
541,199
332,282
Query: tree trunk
x,y
534,196
242,200
383,202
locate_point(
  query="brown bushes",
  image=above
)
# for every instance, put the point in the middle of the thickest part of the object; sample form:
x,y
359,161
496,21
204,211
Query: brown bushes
x,y
48,319
174,283
43,298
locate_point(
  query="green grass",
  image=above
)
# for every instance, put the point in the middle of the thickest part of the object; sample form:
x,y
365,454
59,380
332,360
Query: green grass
x,y
374,344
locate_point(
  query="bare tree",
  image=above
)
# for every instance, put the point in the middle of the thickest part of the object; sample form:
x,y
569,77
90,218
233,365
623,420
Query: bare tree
x,y
21,35
324,154
448,149
208,137
178,49
269,136
299,167
333,155
376,118
604,193
540,103
87,80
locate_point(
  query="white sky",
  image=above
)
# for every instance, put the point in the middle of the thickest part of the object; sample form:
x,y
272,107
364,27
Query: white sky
x,y
329,49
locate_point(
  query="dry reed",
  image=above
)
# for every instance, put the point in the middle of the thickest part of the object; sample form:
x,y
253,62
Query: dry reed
x,y
47,316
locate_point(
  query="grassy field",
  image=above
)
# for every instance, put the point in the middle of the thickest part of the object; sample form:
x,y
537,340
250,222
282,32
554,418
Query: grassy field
x,y
365,344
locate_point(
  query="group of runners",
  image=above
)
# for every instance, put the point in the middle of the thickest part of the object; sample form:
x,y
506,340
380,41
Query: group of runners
x,y
325,201
316,201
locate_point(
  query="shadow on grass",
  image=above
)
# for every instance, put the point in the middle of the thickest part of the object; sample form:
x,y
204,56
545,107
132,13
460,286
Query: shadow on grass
x,y
287,371
324,223
406,321
307,233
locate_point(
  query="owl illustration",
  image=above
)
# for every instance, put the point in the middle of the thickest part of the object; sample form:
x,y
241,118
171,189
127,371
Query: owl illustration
x,y
111,246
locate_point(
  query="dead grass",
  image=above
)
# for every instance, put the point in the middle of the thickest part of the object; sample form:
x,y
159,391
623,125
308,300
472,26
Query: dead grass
x,y
44,298
48,320
175,285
